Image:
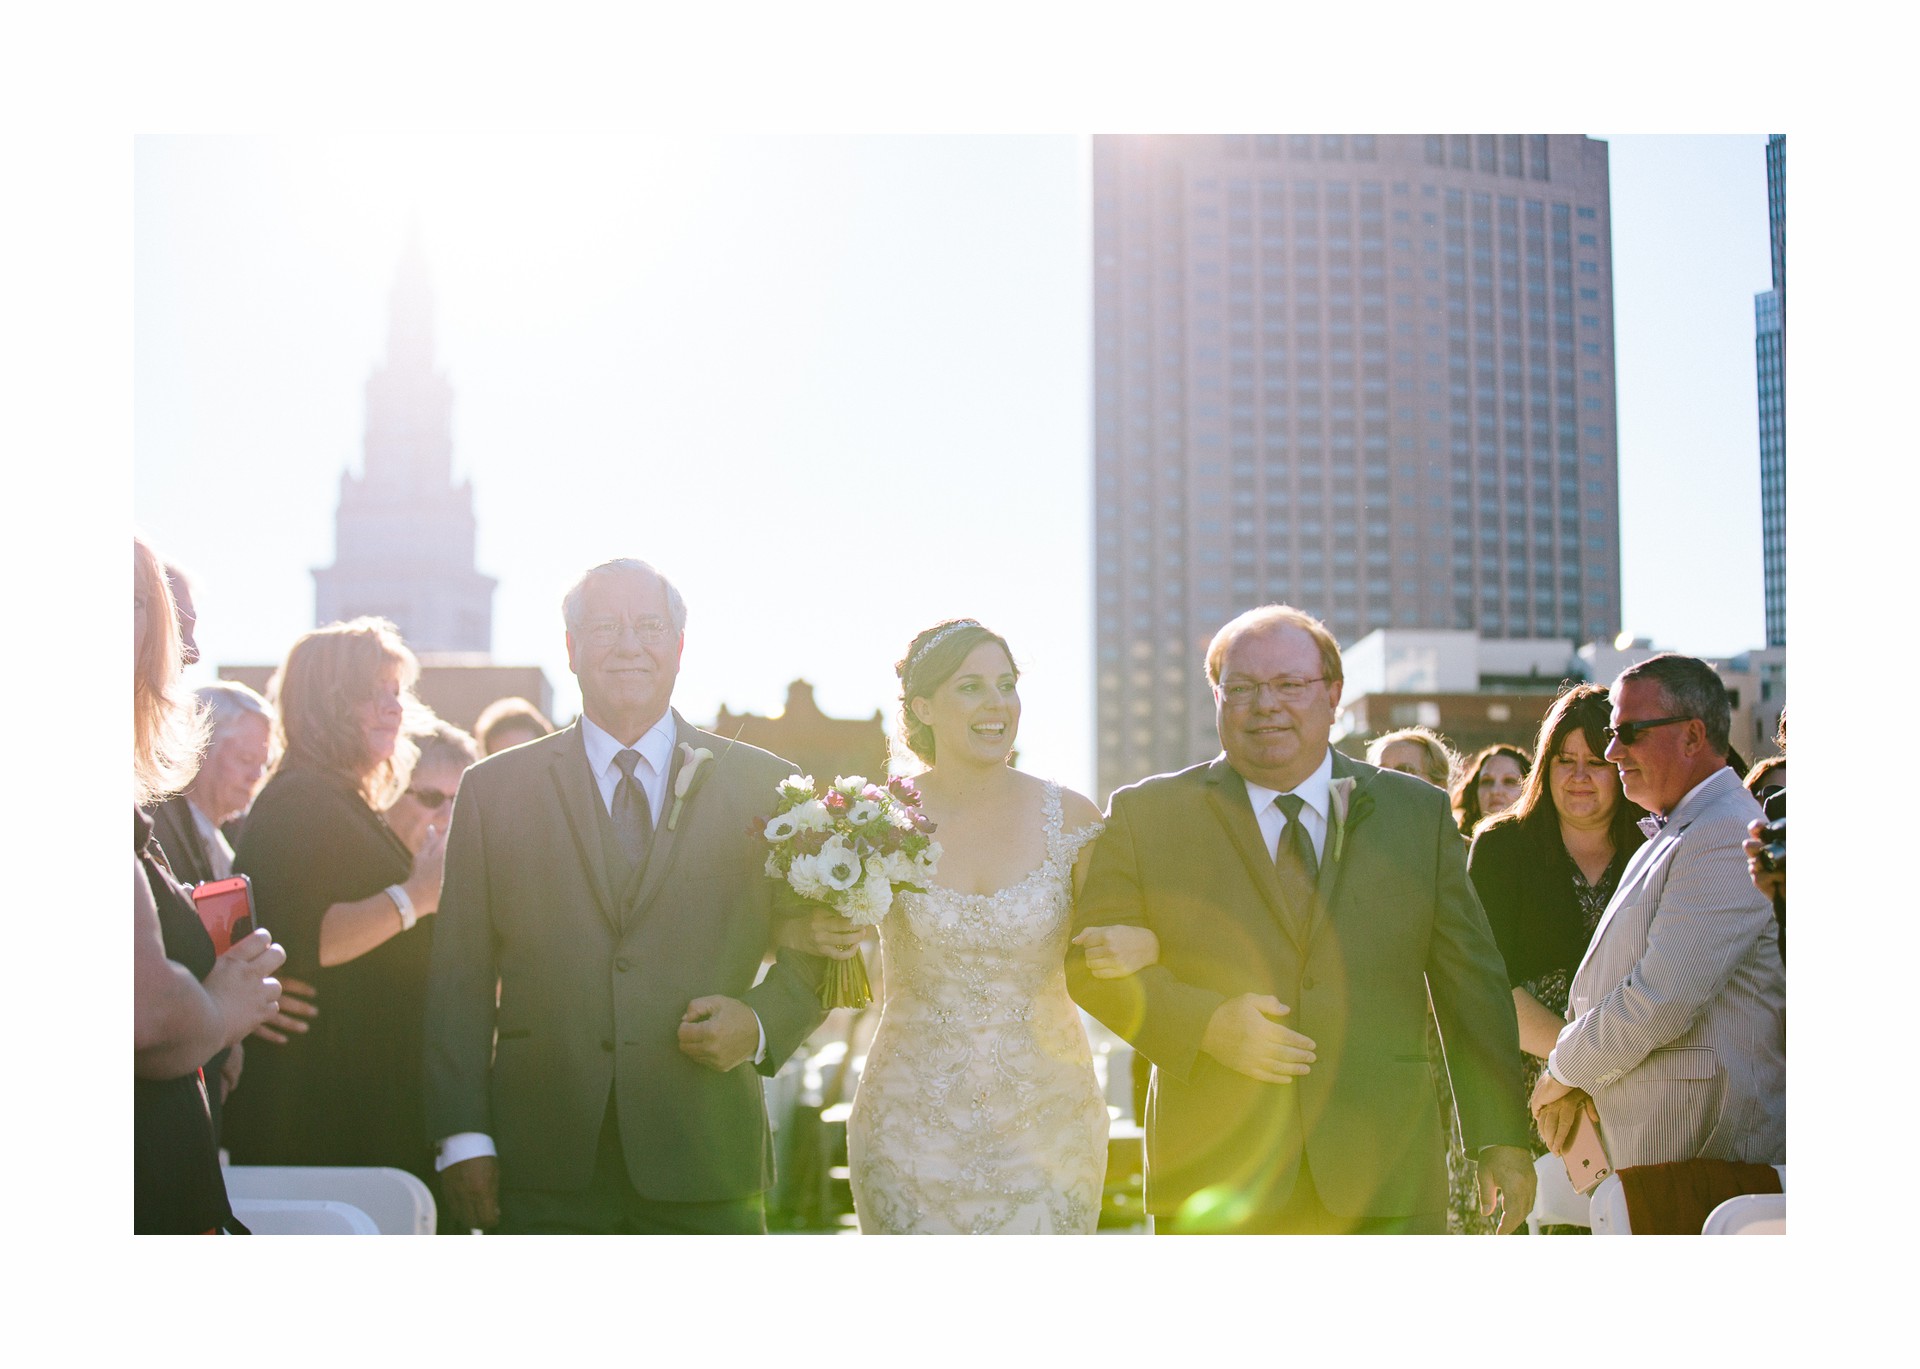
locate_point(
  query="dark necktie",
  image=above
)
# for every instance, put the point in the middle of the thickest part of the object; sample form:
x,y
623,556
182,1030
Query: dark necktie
x,y
632,814
1294,861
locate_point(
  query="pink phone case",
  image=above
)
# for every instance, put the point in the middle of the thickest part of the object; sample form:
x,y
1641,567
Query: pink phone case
x,y
1586,1157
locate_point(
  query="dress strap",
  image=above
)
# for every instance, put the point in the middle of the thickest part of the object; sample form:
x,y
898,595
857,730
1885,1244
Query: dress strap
x,y
1051,814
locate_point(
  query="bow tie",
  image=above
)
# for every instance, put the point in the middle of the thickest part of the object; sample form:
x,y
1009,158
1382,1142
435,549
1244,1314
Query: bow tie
x,y
1651,824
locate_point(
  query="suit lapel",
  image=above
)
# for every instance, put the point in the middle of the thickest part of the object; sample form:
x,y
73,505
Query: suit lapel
x,y
666,840
1331,869
1640,868
578,798
1227,793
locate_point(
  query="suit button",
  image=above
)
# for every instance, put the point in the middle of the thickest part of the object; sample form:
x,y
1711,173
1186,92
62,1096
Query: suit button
x,y
607,1045
621,964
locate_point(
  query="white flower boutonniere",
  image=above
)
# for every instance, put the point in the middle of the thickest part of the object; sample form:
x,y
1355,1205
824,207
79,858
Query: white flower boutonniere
x,y
693,757
1346,813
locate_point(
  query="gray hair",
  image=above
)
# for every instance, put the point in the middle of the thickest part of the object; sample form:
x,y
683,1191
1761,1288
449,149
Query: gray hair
x,y
1692,689
227,702
1441,762
570,604
441,738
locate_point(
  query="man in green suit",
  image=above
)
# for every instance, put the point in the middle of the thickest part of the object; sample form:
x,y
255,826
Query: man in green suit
x,y
605,878
1304,904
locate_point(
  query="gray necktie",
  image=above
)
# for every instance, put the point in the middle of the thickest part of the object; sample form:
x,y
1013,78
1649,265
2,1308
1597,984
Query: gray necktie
x,y
632,814
1294,861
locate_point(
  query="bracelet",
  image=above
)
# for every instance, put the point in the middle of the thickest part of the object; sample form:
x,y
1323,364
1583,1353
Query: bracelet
x,y
404,905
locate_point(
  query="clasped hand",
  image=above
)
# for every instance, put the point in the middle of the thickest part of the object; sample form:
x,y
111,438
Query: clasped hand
x,y
1556,1109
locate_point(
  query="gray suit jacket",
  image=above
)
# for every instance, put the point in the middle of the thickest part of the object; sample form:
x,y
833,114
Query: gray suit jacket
x,y
1677,1014
592,985
1395,915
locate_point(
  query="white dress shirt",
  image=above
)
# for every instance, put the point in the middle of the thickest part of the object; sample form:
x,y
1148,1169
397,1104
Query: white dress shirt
x,y
656,758
1316,797
214,841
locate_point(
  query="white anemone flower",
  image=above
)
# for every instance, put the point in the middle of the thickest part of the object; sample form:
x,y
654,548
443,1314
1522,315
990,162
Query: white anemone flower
x,y
781,827
863,812
812,815
839,867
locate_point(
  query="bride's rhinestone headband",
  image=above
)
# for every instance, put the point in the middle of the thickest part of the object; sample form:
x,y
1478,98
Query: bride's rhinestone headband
x,y
938,638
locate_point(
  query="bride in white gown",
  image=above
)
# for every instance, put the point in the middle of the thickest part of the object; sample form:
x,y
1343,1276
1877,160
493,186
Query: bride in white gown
x,y
978,1110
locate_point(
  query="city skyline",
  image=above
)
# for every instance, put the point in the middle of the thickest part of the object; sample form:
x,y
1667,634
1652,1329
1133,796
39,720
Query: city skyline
x,y
904,358
1368,375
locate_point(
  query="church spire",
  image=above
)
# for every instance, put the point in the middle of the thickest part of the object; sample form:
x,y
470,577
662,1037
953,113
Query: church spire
x,y
410,309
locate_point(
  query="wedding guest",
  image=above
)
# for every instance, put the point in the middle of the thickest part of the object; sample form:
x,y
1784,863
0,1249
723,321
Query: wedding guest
x,y
1677,1040
352,904
1490,783
1545,868
188,825
445,754
180,585
1767,776
187,1005
509,722
1417,751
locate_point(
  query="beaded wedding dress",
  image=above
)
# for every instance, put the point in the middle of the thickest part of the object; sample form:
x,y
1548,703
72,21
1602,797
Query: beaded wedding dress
x,y
978,1110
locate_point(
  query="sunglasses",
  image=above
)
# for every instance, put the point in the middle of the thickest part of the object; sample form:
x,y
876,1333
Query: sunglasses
x,y
430,799
1629,733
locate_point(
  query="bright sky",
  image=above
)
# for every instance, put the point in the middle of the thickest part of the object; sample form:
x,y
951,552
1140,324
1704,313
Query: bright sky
x,y
837,387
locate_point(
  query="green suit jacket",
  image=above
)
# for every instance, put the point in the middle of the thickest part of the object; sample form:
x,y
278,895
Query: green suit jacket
x,y
1395,914
592,985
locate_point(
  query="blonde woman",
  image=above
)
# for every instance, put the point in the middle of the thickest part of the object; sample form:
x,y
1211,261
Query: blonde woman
x,y
351,903
188,1007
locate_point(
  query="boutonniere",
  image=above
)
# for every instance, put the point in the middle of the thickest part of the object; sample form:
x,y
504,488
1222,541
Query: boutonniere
x,y
1347,811
692,758
1650,825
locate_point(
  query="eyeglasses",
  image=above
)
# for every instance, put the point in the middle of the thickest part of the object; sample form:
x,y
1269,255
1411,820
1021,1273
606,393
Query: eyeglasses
x,y
1629,733
607,631
1289,689
430,799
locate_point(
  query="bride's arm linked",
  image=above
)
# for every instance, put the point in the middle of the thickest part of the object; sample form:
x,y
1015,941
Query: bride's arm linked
x,y
1116,951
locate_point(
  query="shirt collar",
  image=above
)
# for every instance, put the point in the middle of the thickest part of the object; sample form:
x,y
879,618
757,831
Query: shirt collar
x,y
1315,790
655,745
1696,794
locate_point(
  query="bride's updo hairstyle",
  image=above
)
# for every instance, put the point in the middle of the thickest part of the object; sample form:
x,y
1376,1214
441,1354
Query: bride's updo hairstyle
x,y
930,663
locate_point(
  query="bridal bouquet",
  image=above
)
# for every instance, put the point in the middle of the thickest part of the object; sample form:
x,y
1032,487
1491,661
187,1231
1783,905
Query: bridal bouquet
x,y
852,846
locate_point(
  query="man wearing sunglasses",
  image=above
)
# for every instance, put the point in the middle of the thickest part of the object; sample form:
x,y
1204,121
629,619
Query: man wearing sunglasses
x,y
1676,1032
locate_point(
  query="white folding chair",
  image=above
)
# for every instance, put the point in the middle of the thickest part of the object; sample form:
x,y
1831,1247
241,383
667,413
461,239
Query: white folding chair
x,y
1751,1214
1554,1200
302,1217
398,1203
1608,1209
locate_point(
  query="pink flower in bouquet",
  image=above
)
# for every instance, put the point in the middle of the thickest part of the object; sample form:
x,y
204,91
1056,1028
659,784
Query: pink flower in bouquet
x,y
902,789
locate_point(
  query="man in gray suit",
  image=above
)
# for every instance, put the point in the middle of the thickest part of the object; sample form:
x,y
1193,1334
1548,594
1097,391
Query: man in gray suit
x,y
605,879
1676,1031
1306,904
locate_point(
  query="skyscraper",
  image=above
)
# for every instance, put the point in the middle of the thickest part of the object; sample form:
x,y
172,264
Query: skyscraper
x,y
1770,360
404,533
1369,375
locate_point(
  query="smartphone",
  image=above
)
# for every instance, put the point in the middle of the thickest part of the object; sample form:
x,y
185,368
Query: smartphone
x,y
1585,1157
226,910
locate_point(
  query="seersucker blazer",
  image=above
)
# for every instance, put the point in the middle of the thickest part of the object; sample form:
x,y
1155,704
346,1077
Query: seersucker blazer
x,y
1677,1013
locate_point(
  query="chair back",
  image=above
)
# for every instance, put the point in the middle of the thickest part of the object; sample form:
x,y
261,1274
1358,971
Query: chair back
x,y
1751,1214
398,1203
1554,1200
1609,1208
302,1217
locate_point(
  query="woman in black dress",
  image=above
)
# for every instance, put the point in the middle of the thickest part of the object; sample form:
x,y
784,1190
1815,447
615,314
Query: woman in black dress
x,y
350,902
187,1006
1546,867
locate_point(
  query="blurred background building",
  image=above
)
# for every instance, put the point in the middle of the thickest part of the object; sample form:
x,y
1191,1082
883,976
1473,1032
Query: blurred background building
x,y
404,532
1770,357
821,746
1369,375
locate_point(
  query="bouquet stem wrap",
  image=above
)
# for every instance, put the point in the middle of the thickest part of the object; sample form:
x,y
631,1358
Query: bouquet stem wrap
x,y
845,984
